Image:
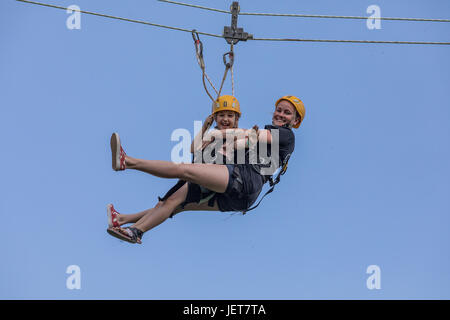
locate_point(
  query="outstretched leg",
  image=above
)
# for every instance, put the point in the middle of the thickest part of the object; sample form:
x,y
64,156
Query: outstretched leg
x,y
134,217
211,176
159,214
162,212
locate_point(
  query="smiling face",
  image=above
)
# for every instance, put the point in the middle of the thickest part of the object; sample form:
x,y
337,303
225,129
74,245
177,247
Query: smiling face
x,y
226,119
285,114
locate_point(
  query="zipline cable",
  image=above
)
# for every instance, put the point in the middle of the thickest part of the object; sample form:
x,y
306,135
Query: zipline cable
x,y
221,36
350,41
306,15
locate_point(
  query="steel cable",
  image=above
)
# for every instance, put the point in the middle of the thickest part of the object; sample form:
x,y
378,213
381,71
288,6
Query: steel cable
x,y
293,15
221,36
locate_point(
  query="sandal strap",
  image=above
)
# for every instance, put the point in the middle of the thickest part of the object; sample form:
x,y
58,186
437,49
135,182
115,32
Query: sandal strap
x,y
137,234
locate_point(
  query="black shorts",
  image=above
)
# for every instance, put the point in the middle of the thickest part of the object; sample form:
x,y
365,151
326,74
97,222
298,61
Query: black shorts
x,y
244,187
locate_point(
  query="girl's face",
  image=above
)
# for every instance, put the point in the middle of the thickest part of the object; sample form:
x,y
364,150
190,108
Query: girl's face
x,y
285,114
226,119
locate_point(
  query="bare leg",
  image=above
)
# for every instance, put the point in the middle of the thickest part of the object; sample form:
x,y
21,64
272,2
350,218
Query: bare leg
x,y
196,207
160,213
132,218
211,176
135,217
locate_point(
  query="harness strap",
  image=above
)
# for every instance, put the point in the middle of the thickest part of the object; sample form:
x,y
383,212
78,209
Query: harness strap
x,y
272,183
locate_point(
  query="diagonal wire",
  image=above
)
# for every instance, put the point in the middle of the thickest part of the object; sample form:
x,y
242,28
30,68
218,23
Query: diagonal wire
x,y
306,15
195,6
221,36
120,18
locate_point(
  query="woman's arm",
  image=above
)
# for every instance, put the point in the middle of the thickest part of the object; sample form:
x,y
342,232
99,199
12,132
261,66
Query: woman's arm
x,y
243,138
265,136
248,135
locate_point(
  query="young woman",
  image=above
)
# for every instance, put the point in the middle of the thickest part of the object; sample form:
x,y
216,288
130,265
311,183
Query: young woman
x,y
236,186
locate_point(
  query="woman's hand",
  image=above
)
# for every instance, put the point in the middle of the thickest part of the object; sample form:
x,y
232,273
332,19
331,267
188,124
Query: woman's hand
x,y
253,136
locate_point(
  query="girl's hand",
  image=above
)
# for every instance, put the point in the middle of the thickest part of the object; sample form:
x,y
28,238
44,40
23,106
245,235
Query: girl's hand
x,y
208,121
207,142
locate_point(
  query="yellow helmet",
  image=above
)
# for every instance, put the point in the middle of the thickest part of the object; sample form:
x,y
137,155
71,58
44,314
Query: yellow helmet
x,y
298,104
226,103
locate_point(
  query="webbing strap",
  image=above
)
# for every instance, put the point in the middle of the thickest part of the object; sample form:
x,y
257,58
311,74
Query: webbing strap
x,y
255,206
272,183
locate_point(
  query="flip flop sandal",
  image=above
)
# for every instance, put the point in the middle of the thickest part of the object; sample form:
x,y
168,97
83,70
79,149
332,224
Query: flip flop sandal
x,y
134,236
112,216
118,155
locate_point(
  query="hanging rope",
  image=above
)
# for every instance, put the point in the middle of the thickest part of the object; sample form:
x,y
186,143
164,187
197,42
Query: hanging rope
x,y
232,76
228,66
199,54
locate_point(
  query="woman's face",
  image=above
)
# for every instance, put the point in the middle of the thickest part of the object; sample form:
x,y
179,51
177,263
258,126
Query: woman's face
x,y
226,119
285,114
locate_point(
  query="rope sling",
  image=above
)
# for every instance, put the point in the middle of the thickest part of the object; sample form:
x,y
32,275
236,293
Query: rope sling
x,y
201,62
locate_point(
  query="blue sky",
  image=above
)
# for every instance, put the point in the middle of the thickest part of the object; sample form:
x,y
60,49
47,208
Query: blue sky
x,y
368,183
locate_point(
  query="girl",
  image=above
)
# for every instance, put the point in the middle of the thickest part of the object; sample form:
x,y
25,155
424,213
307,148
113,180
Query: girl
x,y
226,113
236,186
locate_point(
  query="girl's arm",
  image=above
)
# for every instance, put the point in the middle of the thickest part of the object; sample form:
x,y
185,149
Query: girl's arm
x,y
198,140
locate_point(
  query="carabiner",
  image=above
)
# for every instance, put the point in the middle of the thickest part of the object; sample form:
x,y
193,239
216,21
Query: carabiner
x,y
229,64
198,44
198,49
